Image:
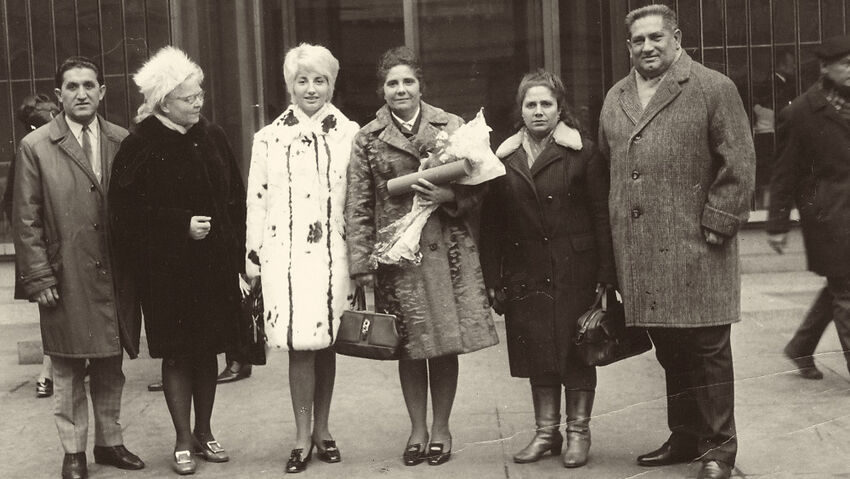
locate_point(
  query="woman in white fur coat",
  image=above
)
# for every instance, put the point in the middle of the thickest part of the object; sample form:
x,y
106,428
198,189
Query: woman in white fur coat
x,y
295,239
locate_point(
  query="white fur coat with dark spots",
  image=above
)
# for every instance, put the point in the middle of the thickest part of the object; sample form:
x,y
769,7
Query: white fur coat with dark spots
x,y
295,234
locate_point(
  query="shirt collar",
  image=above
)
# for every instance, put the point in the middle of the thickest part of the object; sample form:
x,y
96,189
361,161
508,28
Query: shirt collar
x,y
170,124
77,128
408,124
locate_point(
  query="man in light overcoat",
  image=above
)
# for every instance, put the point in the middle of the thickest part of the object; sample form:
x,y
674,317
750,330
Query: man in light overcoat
x,y
87,306
682,166
811,171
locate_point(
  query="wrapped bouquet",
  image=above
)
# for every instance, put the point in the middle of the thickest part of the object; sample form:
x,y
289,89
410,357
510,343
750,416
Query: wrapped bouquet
x,y
462,157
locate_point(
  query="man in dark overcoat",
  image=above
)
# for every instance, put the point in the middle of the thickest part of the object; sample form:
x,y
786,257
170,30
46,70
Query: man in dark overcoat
x,y
813,171
682,172
87,305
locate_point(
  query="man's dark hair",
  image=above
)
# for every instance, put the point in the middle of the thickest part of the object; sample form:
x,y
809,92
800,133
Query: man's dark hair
x,y
36,110
668,16
77,62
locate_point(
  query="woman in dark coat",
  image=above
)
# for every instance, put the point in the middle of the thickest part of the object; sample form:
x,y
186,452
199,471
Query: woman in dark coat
x,y
178,212
441,302
545,245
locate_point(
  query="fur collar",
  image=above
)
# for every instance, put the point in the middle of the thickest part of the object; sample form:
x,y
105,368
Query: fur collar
x,y
294,123
563,135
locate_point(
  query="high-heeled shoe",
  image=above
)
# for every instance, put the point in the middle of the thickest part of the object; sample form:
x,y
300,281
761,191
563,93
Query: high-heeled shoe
x,y
436,456
298,461
212,451
414,454
183,463
327,452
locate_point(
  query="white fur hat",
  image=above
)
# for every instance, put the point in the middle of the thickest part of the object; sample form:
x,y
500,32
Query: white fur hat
x,y
161,74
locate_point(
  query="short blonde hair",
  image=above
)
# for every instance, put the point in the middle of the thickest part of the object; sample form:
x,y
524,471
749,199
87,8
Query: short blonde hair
x,y
160,75
307,57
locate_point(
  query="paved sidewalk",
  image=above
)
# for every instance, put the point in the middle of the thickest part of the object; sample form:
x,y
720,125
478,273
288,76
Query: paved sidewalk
x,y
789,427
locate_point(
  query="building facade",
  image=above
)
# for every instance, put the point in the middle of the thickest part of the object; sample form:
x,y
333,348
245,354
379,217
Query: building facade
x,y
474,53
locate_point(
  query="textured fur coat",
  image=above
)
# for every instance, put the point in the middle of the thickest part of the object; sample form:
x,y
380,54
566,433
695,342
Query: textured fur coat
x,y
295,237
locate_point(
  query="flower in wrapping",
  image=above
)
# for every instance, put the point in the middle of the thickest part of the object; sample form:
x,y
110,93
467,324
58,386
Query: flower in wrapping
x,y
470,143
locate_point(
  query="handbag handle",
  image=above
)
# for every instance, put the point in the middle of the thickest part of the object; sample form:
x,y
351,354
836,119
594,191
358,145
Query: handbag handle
x,y
358,302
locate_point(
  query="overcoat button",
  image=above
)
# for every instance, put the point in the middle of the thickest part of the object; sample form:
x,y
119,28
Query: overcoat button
x,y
638,137
92,187
98,264
545,239
548,280
636,212
635,175
96,226
433,246
549,198
516,244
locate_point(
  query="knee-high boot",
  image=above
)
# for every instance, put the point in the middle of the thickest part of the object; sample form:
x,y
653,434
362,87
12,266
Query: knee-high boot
x,y
579,408
547,415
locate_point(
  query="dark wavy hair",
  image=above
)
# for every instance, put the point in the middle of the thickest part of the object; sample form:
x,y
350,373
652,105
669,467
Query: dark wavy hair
x,y
36,110
77,62
394,57
541,77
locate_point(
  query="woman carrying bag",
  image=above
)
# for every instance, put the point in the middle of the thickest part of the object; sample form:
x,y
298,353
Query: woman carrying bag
x,y
295,240
545,245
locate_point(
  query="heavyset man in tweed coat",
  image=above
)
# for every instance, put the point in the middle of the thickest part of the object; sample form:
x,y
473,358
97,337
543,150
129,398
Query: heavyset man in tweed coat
x,y
682,173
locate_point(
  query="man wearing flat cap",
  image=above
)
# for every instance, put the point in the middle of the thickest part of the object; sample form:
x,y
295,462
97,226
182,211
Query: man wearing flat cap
x,y
812,171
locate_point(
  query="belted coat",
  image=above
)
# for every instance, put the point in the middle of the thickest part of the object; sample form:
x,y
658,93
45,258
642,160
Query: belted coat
x,y
545,244
812,170
60,218
684,163
441,302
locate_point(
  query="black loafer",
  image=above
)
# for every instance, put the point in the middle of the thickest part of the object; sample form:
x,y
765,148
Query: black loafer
x,y
117,456
666,455
44,389
229,375
298,461
327,452
74,466
413,454
436,456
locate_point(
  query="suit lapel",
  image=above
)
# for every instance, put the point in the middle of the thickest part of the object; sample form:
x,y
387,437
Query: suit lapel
x,y
549,155
68,143
109,144
392,136
667,91
629,101
519,163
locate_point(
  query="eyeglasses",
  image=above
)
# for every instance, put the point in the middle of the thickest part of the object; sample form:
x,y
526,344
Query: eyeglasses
x,y
191,99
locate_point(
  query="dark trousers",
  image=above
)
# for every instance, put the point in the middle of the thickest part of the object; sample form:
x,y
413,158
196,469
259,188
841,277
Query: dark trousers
x,y
833,303
700,390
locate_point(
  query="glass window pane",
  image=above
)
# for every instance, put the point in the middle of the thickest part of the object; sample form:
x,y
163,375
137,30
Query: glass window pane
x,y
784,29
695,53
158,22
832,18
760,22
89,26
116,100
689,24
736,22
19,47
715,58
113,36
764,121
785,77
474,55
712,23
66,30
377,25
809,14
809,67
582,60
42,39
739,72
135,33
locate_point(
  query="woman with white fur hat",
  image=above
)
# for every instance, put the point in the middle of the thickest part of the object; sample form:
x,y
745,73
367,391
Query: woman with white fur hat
x,y
177,212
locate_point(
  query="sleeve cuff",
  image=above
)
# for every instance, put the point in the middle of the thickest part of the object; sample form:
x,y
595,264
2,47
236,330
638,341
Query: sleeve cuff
x,y
719,221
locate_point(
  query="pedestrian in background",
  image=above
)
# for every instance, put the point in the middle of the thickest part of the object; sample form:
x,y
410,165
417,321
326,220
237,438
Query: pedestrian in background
x,y
178,217
545,243
682,173
441,303
296,240
35,111
87,304
812,171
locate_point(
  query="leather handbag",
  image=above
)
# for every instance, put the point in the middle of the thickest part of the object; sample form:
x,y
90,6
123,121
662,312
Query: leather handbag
x,y
602,336
367,334
252,326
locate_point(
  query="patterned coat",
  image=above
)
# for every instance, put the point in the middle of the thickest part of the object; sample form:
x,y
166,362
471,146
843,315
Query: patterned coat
x,y
59,220
189,288
442,302
545,243
685,162
296,235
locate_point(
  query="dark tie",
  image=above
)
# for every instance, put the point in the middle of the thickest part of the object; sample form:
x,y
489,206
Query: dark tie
x,y
87,150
